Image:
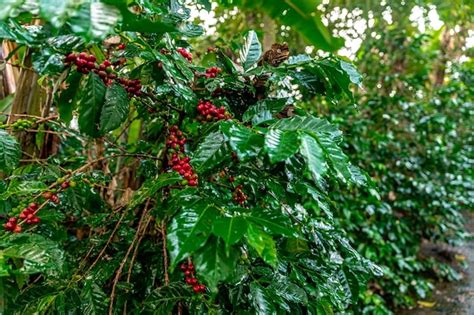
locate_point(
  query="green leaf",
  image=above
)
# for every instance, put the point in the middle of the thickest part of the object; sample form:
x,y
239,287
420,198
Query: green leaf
x,y
9,151
7,6
47,62
351,71
95,301
90,105
115,109
302,16
94,20
213,264
313,154
37,253
251,50
244,141
163,299
263,111
263,244
56,11
261,300
67,100
230,229
189,230
272,221
151,187
281,145
288,291
211,152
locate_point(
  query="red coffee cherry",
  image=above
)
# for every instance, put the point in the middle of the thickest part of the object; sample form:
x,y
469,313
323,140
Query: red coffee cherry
x,y
185,54
209,112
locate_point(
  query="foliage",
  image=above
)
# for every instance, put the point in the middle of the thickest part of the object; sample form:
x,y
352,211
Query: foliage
x,y
143,182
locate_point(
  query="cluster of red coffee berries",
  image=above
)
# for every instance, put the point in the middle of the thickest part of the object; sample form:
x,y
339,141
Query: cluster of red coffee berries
x,y
178,160
190,278
12,225
239,196
105,72
86,63
209,112
29,214
212,72
186,54
133,87
121,46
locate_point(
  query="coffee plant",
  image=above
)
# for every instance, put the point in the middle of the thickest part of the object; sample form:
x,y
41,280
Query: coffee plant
x,y
157,180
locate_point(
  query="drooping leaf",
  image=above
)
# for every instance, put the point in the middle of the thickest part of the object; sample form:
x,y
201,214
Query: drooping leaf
x,y
313,154
90,105
261,300
9,151
189,230
303,17
251,50
67,99
289,291
115,109
94,20
214,264
95,301
163,299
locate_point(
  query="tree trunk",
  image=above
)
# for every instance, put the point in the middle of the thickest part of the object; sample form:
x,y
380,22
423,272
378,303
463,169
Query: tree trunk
x,y
269,35
30,99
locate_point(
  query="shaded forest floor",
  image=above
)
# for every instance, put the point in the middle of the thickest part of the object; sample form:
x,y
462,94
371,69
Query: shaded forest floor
x,y
454,298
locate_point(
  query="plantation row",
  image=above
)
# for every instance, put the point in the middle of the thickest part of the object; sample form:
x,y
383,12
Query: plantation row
x,y
144,171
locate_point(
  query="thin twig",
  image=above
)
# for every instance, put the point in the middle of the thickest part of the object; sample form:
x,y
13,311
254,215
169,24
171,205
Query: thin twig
x,y
108,241
165,253
124,260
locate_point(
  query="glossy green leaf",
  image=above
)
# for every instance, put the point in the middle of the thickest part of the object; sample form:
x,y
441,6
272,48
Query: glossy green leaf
x,y
244,141
281,145
90,105
67,100
214,264
261,300
189,230
273,221
263,244
301,16
115,109
263,111
95,301
314,156
37,253
9,151
230,229
94,20
251,50
211,152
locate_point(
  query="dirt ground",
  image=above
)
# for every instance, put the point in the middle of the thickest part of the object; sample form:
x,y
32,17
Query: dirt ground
x,y
455,298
